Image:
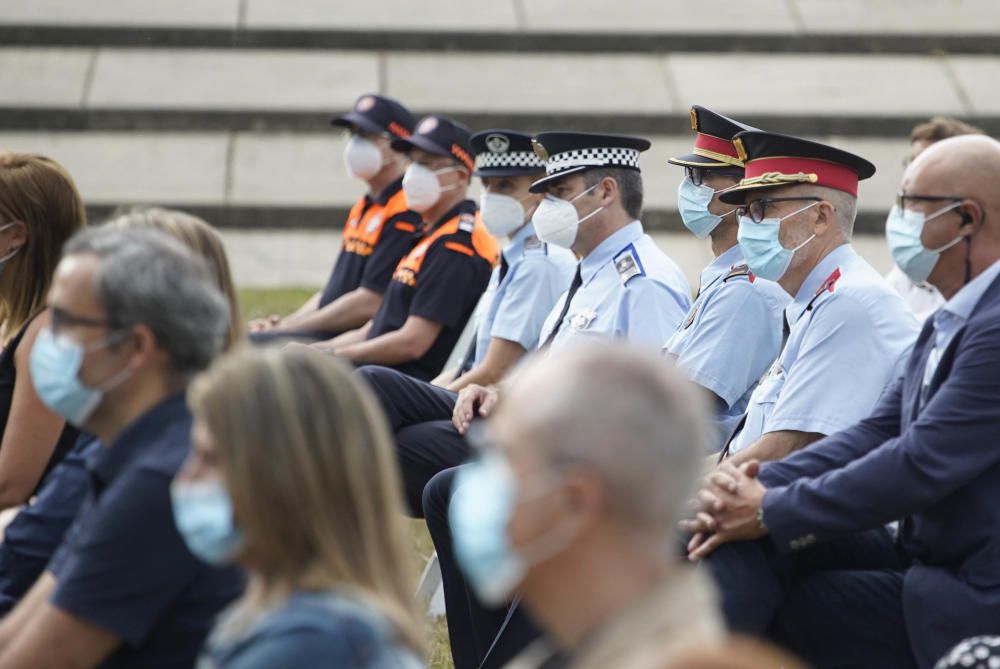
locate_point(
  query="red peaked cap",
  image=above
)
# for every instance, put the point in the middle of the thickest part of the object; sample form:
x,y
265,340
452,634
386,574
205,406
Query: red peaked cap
x,y
773,160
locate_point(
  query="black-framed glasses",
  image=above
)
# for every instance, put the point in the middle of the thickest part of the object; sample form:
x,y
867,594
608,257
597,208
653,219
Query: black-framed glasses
x,y
60,318
697,174
757,209
901,198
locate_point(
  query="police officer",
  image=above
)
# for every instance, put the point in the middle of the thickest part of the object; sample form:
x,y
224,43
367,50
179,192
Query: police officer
x,y
379,231
624,288
732,333
435,288
847,331
524,287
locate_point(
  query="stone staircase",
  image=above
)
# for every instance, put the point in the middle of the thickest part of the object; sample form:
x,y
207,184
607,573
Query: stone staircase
x,y
221,106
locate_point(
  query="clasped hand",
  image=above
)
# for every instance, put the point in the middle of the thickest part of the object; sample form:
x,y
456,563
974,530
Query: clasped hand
x,y
725,509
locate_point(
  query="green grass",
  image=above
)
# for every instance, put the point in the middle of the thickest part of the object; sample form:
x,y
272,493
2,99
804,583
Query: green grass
x,y
257,303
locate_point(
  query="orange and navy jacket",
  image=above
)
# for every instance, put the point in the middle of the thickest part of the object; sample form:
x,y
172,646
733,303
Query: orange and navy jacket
x,y
379,232
441,280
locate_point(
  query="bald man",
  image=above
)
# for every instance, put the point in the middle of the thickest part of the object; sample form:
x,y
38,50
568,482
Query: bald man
x,y
806,571
578,529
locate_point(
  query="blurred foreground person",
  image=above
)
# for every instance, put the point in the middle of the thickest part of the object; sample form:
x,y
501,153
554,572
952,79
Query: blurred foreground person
x,y
134,316
40,209
292,474
584,466
32,537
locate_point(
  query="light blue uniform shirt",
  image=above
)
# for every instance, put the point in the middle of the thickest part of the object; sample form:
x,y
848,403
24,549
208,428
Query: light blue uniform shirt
x,y
950,318
731,335
515,308
850,333
631,290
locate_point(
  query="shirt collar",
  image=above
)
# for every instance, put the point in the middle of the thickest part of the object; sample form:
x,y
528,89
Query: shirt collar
x,y
111,460
515,249
608,249
820,273
720,266
965,300
386,194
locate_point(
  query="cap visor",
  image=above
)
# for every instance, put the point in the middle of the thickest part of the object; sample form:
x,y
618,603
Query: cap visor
x,y
508,172
737,194
542,185
353,119
694,160
418,142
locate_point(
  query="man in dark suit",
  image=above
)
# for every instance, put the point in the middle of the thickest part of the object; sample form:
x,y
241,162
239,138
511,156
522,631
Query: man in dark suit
x,y
813,567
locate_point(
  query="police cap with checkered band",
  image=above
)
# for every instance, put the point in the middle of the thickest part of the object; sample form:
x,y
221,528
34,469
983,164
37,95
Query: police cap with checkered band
x,y
505,153
568,153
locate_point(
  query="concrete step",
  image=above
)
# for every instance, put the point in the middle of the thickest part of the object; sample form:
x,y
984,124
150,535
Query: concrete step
x,y
788,18
264,180
262,89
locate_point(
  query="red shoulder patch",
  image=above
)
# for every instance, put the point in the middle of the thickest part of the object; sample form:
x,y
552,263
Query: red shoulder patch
x,y
830,283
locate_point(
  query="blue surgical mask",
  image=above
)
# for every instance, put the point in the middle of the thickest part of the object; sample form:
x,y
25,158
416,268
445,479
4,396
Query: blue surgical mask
x,y
482,504
761,246
692,203
55,372
203,515
903,230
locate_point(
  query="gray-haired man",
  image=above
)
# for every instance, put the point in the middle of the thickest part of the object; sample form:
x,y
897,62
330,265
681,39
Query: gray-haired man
x,y
134,316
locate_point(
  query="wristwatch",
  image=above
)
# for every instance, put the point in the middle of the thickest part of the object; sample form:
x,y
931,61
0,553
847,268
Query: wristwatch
x,y
760,519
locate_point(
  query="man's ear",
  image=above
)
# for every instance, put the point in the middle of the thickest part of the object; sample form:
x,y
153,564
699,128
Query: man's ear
x,y
826,220
145,347
609,192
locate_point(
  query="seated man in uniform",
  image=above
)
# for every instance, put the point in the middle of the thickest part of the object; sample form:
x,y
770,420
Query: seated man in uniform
x,y
379,231
804,568
435,288
625,288
134,316
524,288
847,332
733,332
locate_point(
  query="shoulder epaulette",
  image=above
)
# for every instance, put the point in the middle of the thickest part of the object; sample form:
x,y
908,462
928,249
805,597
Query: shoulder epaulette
x,y
739,270
828,286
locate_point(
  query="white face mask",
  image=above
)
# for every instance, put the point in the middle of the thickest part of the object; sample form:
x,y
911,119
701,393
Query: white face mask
x,y
557,222
422,187
502,214
362,158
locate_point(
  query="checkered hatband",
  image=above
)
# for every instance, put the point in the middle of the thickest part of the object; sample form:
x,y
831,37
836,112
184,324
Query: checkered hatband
x,y
520,159
595,157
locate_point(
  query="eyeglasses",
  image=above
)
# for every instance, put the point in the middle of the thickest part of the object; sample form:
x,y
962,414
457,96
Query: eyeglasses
x,y
901,198
60,318
756,209
697,174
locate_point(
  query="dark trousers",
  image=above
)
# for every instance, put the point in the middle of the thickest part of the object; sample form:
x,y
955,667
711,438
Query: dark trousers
x,y
474,629
836,604
419,414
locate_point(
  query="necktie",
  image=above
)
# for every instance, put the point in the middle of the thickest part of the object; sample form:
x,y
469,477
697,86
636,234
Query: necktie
x,y
470,353
573,287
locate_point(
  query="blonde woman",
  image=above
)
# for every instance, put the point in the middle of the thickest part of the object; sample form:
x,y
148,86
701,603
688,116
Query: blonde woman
x,y
201,238
292,475
40,209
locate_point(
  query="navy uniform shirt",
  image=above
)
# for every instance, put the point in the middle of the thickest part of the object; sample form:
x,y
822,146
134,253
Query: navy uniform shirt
x,y
849,334
441,280
630,290
378,233
515,305
731,335
124,567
